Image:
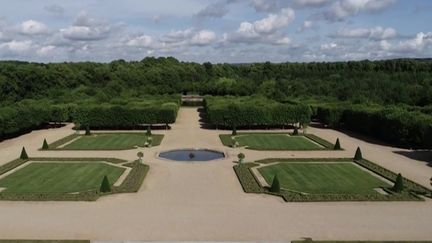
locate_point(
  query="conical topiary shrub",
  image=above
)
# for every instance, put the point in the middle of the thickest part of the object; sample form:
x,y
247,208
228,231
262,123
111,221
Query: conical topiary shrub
x,y
337,145
105,186
399,185
87,132
358,155
296,132
275,187
45,145
149,132
23,154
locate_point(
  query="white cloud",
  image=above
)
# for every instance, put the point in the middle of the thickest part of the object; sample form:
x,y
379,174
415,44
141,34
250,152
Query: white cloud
x,y
329,46
141,41
55,9
86,29
214,10
343,9
17,46
376,33
32,27
46,50
417,44
274,21
203,37
307,24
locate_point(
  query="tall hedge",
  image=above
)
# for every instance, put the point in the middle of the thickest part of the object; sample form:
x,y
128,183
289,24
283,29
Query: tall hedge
x,y
124,116
394,125
253,111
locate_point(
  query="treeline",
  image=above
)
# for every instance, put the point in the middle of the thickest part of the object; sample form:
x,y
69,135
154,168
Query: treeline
x,y
384,82
27,115
235,112
395,125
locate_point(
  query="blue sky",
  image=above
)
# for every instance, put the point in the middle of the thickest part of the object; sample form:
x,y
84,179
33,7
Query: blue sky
x,y
215,30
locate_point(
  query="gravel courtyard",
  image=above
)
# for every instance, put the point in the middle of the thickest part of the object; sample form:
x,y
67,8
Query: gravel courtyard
x,y
204,201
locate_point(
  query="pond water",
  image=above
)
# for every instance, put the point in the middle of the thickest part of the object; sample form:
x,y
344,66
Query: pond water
x,y
192,155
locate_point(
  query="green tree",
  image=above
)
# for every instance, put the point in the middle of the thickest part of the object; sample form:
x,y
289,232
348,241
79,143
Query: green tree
x,y
45,145
296,132
87,132
140,156
358,154
234,131
241,157
149,132
105,185
275,186
399,184
337,145
23,154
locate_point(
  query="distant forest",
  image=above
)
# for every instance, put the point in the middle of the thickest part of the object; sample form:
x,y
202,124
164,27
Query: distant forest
x,y
390,100
390,82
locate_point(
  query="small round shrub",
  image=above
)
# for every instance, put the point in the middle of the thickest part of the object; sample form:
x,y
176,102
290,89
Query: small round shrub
x,y
241,157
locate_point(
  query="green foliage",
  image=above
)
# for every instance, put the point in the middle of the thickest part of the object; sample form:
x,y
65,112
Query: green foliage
x,y
87,131
399,185
396,125
296,132
149,132
253,111
24,155
275,186
234,131
105,185
247,180
45,145
337,145
241,157
358,154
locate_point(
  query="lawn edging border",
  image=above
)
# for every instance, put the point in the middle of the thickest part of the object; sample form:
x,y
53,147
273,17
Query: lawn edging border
x,y
56,144
132,183
413,192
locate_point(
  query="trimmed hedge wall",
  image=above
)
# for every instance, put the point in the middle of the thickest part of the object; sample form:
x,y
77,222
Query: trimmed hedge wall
x,y
125,116
253,111
392,124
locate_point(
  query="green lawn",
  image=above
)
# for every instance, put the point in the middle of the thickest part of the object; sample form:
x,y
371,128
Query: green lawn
x,y
111,141
323,178
60,177
262,141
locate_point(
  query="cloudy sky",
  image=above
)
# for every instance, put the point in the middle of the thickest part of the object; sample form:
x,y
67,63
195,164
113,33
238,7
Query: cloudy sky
x,y
214,30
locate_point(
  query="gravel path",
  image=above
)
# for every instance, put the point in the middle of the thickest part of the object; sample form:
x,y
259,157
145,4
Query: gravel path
x,y
204,201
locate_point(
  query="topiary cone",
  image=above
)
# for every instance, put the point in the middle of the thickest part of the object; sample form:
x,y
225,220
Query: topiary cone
x,y
149,132
87,132
105,186
275,187
399,185
337,145
45,145
296,132
358,155
23,154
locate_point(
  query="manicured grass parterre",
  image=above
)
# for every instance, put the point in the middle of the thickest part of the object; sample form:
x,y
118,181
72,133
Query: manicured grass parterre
x,y
105,141
60,177
67,179
274,141
303,183
318,178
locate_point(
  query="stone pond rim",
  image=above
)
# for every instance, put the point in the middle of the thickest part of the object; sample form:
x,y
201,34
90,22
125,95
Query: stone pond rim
x,y
192,155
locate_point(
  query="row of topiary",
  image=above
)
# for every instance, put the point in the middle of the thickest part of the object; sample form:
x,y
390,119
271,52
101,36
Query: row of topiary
x,y
392,124
253,111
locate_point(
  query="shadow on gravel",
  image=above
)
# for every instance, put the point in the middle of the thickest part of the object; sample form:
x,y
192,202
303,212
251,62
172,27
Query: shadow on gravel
x,y
420,155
